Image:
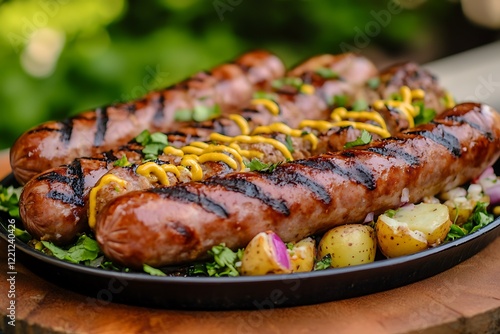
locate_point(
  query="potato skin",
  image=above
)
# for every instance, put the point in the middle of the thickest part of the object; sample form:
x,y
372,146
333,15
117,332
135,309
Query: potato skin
x,y
349,245
394,241
302,255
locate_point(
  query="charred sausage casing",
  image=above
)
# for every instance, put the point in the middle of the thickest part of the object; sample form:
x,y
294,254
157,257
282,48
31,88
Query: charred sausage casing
x,y
54,203
56,143
178,224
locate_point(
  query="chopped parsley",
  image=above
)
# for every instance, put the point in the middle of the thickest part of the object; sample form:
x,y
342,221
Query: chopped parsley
x,y
326,73
153,143
363,139
373,83
152,271
360,104
265,95
390,213
339,101
479,219
425,115
85,250
199,113
324,263
288,81
289,143
258,166
122,162
225,263
9,200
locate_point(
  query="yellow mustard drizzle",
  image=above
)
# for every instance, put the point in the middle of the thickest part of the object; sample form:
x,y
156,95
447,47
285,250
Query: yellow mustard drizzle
x,y
253,140
191,160
105,180
241,122
307,89
151,170
285,129
270,105
404,106
170,150
449,101
249,154
340,115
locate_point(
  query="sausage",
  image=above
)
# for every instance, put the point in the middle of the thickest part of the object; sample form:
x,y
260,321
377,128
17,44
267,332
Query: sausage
x,y
171,225
53,206
55,143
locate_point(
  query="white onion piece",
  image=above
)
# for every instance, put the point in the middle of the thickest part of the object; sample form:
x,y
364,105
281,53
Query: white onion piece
x,y
405,196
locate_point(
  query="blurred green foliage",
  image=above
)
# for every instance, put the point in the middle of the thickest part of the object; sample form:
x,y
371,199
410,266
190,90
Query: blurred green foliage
x,y
60,57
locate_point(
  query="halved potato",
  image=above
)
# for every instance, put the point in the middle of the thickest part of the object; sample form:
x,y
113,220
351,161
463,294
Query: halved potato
x,y
265,254
412,228
349,245
302,255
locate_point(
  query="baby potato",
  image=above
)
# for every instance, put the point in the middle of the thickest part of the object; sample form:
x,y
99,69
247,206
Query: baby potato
x,y
349,245
302,255
412,228
265,254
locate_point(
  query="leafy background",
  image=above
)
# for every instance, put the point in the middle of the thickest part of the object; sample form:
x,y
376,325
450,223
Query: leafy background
x,y
60,57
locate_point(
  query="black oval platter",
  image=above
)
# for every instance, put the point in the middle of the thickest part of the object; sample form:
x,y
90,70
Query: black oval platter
x,y
257,292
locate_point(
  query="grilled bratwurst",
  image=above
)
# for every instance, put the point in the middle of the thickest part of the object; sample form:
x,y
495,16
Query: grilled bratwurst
x,y
171,225
54,204
55,143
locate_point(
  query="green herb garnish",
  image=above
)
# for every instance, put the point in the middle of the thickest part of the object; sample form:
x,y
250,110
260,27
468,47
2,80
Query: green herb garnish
x,y
153,143
258,166
324,263
22,235
339,100
480,218
86,249
373,83
225,263
265,95
289,143
152,271
200,113
390,213
363,139
425,115
122,162
326,73
288,81
359,105
9,200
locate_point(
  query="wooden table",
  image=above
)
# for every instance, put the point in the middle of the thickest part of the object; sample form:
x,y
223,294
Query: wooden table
x,y
464,299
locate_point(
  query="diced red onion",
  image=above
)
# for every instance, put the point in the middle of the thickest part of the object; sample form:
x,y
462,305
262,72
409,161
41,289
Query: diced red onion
x,y
486,173
369,217
494,193
281,252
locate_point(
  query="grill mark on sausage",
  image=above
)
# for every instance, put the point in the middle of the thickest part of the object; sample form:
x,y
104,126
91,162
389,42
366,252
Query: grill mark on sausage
x,y
284,175
462,120
443,138
356,171
251,190
101,126
396,152
182,194
74,178
66,130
